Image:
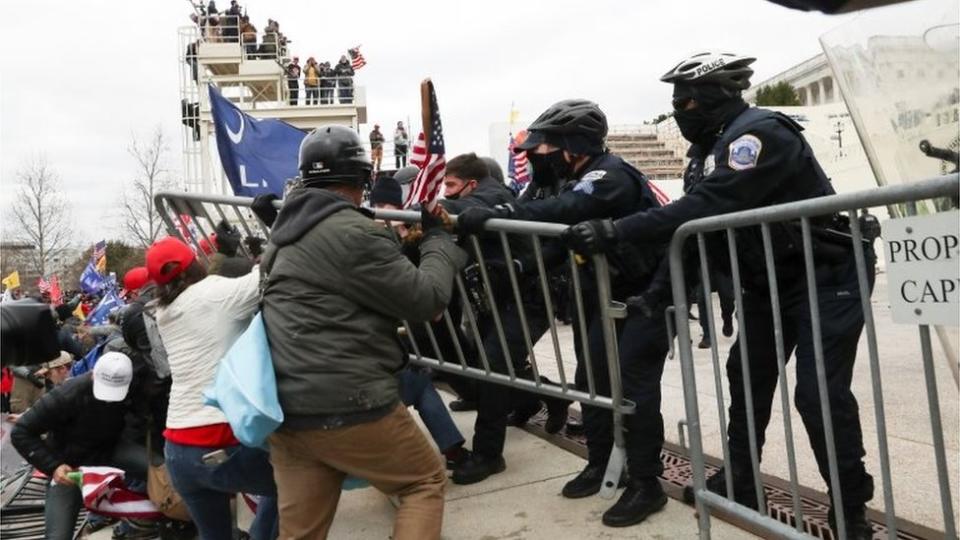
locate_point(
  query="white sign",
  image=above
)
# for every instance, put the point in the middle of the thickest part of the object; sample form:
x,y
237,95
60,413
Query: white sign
x,y
923,268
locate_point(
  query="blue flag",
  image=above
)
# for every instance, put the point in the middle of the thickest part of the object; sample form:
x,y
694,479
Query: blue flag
x,y
108,304
91,281
258,155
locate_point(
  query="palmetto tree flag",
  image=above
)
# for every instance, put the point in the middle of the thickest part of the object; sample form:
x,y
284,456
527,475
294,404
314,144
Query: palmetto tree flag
x,y
428,153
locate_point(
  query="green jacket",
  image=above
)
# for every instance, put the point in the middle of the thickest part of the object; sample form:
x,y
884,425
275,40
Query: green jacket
x,y
336,290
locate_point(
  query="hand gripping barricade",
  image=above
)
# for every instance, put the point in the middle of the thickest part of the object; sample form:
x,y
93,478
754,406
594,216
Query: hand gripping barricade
x,y
193,217
734,227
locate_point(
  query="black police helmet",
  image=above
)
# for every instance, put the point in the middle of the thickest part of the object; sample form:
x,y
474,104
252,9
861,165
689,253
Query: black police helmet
x,y
333,155
576,125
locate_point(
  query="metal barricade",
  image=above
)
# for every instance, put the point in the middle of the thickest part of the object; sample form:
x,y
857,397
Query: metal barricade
x,y
707,501
193,217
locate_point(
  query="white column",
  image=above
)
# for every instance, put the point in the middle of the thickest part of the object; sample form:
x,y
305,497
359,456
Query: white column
x,y
823,96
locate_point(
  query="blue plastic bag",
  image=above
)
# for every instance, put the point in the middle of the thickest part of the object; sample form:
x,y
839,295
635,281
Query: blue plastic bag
x,y
245,387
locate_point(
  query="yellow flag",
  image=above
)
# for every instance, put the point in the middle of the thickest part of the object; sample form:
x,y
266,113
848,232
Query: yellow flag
x,y
514,115
102,265
12,281
78,313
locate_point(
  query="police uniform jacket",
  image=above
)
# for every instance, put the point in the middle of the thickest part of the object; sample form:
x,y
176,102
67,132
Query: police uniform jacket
x,y
759,159
606,187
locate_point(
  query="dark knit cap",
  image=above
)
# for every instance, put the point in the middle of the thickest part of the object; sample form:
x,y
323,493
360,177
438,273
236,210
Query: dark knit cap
x,y
386,191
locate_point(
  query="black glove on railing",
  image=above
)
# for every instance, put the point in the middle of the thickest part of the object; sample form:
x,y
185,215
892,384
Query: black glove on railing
x,y
262,206
592,237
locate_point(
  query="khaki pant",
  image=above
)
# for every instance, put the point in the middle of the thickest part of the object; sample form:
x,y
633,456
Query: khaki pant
x,y
391,453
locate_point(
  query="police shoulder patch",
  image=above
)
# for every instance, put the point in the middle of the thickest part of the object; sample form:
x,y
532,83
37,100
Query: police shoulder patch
x,y
744,152
585,184
593,176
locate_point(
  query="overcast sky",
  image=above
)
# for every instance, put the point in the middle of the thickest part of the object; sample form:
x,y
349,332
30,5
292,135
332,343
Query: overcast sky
x,y
79,79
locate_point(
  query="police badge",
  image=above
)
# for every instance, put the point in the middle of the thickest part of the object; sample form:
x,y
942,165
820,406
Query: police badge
x,y
744,153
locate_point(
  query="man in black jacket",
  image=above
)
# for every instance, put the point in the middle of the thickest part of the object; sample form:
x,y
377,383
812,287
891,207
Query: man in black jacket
x,y
82,420
468,184
568,142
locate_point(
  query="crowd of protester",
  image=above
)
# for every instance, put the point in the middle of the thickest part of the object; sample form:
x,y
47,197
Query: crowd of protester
x,y
333,287
323,83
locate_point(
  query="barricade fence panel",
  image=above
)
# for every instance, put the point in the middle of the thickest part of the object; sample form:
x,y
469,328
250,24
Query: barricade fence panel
x,y
503,323
802,278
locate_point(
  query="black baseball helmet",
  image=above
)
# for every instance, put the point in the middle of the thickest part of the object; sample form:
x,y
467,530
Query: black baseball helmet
x,y
576,125
334,155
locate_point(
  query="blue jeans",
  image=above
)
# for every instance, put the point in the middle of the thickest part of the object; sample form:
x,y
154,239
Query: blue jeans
x,y
63,502
207,489
416,388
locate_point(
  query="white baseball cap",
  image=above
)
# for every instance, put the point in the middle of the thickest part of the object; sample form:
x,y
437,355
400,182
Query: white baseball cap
x,y
112,376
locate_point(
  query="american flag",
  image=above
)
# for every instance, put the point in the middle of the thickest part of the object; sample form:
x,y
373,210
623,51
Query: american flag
x,y
356,58
428,153
517,169
43,286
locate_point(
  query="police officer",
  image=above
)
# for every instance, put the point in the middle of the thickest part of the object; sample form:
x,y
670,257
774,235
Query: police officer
x,y
745,158
469,184
567,143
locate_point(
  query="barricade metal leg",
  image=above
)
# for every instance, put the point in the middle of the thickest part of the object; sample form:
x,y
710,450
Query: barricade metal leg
x,y
681,311
933,399
610,313
745,366
835,489
782,370
881,418
715,358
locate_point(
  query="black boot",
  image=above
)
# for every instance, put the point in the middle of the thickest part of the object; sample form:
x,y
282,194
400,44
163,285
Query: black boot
x,y
743,490
460,405
641,498
727,327
588,482
558,410
478,467
855,518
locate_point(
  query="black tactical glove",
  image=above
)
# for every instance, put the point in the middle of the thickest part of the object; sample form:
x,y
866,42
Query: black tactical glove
x,y
228,239
472,220
262,206
254,245
430,221
592,237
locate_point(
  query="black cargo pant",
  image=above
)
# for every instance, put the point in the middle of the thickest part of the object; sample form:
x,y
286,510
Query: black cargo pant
x,y
495,401
841,322
643,346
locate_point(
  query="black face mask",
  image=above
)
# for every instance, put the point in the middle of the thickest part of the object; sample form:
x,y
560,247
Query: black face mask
x,y
702,124
561,168
543,174
694,124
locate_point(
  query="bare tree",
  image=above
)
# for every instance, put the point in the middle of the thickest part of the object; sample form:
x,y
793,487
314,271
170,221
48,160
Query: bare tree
x,y
140,219
41,214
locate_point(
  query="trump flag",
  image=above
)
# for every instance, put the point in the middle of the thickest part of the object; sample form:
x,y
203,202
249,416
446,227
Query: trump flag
x,y
258,155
